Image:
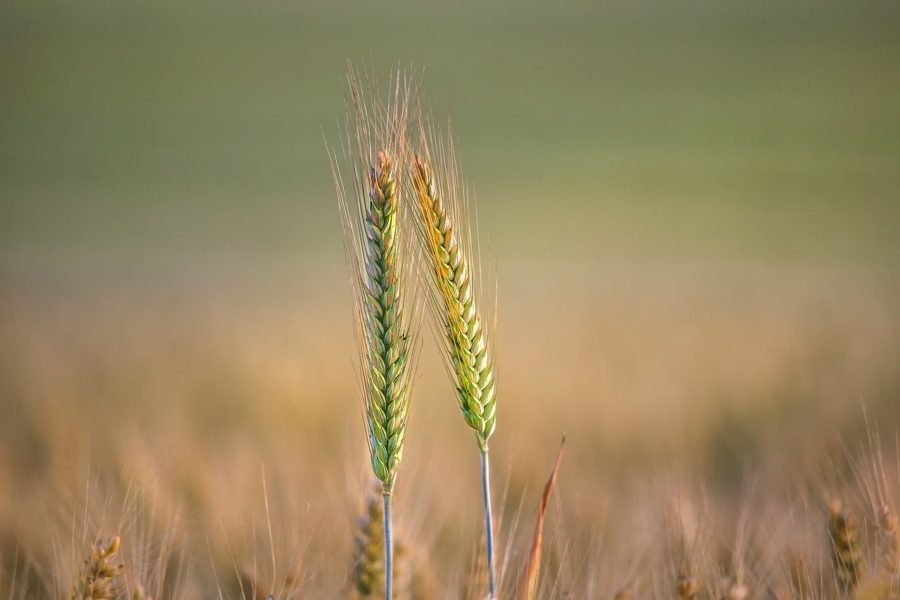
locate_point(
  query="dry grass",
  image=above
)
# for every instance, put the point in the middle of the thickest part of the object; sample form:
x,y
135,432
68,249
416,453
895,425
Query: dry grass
x,y
190,410
528,583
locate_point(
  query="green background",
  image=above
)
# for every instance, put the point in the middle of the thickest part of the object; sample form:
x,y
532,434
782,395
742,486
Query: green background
x,y
183,135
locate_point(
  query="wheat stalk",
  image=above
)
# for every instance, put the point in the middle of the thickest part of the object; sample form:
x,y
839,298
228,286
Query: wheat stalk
x,y
442,206
376,140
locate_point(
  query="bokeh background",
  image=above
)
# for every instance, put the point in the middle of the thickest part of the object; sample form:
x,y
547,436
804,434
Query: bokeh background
x,y
692,210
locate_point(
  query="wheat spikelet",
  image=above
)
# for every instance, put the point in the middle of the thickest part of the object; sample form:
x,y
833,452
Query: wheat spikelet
x,y
845,553
99,577
466,346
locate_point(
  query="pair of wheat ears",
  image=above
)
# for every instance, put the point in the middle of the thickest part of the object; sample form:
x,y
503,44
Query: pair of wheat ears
x,y
391,246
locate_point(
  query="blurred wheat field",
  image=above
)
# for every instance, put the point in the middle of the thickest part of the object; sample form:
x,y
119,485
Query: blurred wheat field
x,y
692,214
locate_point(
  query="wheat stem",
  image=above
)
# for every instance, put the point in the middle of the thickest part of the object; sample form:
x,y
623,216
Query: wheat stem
x,y
388,548
488,521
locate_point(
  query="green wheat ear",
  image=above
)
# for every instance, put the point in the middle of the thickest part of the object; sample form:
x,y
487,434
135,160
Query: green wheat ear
x,y
387,335
368,188
368,194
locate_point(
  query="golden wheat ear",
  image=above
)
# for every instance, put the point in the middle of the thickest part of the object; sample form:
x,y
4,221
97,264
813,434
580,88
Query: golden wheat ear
x,y
845,552
100,576
368,177
455,306
449,262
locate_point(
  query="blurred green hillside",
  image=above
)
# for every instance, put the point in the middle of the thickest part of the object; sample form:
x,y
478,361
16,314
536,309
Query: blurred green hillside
x,y
179,134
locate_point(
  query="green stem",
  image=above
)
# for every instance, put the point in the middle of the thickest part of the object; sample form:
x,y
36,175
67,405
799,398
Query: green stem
x,y
488,522
388,548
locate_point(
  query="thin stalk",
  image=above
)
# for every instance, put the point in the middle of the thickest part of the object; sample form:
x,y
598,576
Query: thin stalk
x,y
388,548
488,522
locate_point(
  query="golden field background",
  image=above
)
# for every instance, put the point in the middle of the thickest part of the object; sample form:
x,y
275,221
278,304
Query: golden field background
x,y
692,214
